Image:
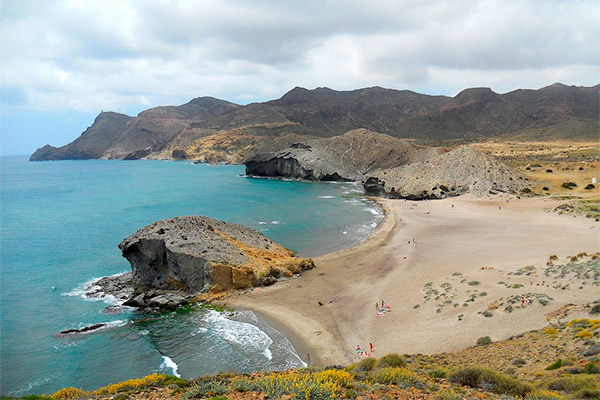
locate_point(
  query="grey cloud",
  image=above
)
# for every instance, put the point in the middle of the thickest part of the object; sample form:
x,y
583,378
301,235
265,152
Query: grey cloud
x,y
128,54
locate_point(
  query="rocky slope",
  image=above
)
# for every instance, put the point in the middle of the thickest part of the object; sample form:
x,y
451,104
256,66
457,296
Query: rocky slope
x,y
348,157
460,171
114,135
212,130
194,254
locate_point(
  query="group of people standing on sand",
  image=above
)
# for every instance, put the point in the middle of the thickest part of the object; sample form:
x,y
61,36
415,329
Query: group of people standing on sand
x,y
384,308
364,353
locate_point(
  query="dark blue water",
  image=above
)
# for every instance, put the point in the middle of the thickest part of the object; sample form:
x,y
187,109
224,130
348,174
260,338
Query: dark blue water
x,y
60,225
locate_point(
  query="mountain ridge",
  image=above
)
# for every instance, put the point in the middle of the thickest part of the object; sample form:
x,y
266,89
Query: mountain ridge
x,y
207,129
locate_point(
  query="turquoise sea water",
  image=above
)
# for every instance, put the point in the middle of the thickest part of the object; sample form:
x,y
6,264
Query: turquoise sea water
x,y
60,225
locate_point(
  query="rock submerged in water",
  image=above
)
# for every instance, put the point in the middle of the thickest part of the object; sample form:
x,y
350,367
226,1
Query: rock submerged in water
x,y
176,258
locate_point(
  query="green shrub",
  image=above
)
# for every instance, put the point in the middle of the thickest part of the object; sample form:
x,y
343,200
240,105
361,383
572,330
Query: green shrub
x,y
391,360
591,368
568,185
589,186
573,370
587,394
474,283
206,388
519,362
447,394
439,373
571,383
484,340
555,365
243,385
366,364
489,380
535,166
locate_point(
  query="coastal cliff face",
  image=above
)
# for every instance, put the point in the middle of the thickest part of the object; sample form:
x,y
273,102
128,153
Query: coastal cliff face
x,y
460,171
348,157
194,254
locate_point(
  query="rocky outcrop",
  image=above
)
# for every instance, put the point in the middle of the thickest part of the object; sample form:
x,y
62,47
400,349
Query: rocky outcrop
x,y
348,157
193,254
460,171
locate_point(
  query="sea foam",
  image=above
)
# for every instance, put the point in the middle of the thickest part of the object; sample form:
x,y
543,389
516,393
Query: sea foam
x,y
245,336
168,363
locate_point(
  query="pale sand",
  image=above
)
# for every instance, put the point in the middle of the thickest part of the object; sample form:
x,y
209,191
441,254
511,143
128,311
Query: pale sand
x,y
472,235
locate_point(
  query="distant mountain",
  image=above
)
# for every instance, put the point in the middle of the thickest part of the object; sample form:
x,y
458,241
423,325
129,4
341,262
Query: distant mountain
x,y
212,130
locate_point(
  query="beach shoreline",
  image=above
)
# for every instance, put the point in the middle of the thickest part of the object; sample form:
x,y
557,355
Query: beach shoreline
x,y
331,309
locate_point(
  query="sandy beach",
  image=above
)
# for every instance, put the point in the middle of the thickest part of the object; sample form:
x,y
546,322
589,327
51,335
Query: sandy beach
x,y
452,271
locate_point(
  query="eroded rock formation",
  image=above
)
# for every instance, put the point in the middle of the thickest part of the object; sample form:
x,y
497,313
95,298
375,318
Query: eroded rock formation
x,y
460,171
194,254
348,157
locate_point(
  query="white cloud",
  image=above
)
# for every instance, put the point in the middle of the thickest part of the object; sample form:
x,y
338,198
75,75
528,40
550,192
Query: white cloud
x,y
123,55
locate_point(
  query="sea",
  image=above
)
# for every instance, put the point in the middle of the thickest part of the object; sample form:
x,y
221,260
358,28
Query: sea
x,y
61,222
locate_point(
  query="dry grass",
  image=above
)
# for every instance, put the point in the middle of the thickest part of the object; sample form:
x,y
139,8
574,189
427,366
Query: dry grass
x,y
569,161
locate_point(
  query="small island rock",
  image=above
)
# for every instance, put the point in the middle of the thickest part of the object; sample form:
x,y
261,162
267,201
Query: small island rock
x,y
194,254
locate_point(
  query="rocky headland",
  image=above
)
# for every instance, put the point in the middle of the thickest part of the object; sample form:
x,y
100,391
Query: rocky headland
x,y
390,167
460,171
347,157
177,260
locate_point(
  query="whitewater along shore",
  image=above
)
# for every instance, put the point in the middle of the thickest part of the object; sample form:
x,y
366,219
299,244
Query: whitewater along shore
x,y
452,270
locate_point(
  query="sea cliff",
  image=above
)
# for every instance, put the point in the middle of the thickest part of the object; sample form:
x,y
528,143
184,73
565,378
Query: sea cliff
x,y
175,259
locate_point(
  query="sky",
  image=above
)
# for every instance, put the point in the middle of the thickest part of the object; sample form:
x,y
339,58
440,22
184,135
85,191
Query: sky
x,y
63,62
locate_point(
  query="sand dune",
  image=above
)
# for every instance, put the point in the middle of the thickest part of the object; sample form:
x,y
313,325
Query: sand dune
x,y
462,264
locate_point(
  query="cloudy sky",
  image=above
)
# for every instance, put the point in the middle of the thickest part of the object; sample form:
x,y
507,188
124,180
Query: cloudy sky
x,y
62,62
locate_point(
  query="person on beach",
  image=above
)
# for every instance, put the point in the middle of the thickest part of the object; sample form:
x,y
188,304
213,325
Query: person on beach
x,y
523,302
377,306
371,347
382,303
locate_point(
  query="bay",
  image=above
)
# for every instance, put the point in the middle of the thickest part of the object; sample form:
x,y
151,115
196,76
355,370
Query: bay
x,y
60,225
